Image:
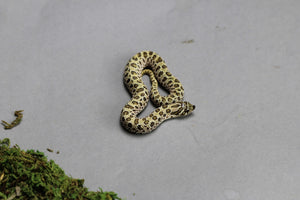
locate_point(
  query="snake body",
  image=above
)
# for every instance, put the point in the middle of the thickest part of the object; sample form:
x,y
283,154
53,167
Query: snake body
x,y
170,106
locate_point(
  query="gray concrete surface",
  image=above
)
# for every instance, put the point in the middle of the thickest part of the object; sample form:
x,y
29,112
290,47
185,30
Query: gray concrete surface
x,y
62,62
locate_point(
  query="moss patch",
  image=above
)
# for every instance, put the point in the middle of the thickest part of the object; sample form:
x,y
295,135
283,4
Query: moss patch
x,y
29,175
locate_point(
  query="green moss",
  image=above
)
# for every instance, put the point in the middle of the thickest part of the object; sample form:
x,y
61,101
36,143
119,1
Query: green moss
x,y
29,175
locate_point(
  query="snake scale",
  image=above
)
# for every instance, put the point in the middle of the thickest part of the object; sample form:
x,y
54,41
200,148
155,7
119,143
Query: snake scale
x,y
170,106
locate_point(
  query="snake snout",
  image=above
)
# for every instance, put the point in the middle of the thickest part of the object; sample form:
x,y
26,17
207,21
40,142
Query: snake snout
x,y
189,108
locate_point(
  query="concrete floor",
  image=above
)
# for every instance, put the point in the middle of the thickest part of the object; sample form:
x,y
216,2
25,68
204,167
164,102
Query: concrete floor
x,y
63,61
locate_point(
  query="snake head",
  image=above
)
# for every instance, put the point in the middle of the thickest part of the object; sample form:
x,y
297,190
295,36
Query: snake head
x,y
181,109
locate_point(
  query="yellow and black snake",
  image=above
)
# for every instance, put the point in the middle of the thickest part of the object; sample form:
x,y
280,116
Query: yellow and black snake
x,y
170,106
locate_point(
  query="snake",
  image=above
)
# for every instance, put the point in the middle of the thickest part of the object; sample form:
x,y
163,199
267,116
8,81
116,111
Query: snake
x,y
167,107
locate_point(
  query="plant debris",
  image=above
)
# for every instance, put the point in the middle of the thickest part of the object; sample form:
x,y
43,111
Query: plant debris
x,y
29,175
188,41
50,150
17,121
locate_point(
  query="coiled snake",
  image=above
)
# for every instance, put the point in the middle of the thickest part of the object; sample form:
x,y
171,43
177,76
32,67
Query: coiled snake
x,y
170,106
